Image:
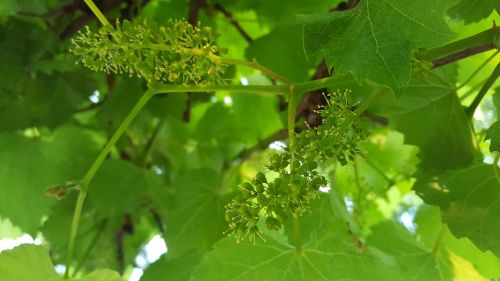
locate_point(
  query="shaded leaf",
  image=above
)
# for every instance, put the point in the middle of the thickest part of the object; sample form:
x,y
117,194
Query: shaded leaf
x,y
470,203
121,187
493,134
418,264
431,117
178,269
290,61
474,10
196,220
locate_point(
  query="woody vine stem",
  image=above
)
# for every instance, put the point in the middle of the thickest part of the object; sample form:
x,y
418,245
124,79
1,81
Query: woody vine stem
x,y
286,88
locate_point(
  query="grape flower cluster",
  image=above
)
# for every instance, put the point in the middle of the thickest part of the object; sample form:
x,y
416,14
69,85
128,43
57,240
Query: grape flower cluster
x,y
291,191
177,53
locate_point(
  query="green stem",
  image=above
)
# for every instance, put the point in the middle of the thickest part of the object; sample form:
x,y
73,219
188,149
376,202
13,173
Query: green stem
x,y
100,16
487,85
481,39
291,146
255,65
309,86
477,70
93,169
255,89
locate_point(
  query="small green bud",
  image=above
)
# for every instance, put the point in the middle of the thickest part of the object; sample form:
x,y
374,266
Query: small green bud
x,y
273,224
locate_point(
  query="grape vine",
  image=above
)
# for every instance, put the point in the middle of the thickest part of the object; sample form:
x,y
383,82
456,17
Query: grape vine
x,y
181,58
290,192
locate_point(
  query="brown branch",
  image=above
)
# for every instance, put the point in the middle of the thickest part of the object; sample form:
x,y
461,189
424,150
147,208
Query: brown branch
x,y
312,101
127,228
194,11
263,144
461,55
233,22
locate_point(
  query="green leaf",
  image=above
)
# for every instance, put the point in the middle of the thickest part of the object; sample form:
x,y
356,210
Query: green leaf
x,y
257,114
430,230
493,134
178,269
196,220
34,164
375,39
26,263
431,117
329,257
29,98
290,61
419,264
101,275
119,102
7,8
274,12
474,10
30,262
116,181
470,203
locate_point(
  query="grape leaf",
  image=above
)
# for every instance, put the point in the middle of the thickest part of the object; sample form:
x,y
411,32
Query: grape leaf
x,y
122,99
431,117
493,134
28,98
30,262
474,10
197,218
277,12
116,181
98,235
35,164
257,114
374,40
328,257
178,269
419,264
290,61
26,263
430,230
470,203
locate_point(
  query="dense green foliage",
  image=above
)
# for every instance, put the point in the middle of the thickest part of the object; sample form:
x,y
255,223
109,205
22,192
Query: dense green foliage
x,y
262,140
